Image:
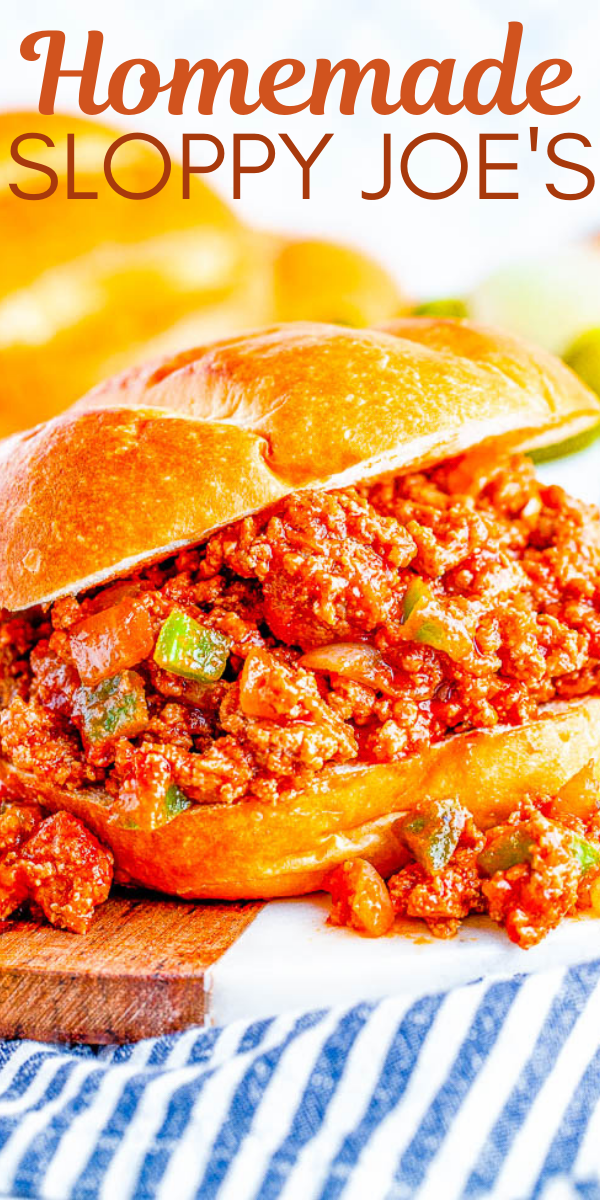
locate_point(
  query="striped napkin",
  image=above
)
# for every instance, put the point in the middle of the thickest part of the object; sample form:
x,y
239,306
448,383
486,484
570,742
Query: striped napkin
x,y
487,1090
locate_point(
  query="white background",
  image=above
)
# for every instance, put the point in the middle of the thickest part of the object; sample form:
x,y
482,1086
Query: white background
x,y
433,247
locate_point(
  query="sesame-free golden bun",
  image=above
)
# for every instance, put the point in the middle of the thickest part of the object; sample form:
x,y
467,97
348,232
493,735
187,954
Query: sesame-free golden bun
x,y
160,456
89,287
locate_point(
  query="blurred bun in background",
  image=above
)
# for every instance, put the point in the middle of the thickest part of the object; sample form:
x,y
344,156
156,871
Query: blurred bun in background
x,y
90,286
322,281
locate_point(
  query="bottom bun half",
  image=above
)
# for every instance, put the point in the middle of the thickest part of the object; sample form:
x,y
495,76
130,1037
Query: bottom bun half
x,y
256,850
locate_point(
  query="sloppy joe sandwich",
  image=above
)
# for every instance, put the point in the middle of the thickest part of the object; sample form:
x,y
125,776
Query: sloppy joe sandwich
x,y
292,611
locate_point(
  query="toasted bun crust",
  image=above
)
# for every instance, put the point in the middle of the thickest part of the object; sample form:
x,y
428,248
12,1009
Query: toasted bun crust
x,y
252,849
161,456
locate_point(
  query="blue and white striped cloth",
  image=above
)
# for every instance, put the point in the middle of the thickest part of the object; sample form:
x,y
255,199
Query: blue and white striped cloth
x,y
488,1090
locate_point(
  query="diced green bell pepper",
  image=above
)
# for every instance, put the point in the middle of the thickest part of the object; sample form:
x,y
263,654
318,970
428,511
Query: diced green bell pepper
x,y
431,833
191,650
587,854
155,808
427,622
430,634
415,593
176,801
516,846
510,848
115,708
427,631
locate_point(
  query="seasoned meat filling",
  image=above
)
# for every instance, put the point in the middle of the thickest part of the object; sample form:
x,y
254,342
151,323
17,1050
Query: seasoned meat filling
x,y
527,875
54,865
358,625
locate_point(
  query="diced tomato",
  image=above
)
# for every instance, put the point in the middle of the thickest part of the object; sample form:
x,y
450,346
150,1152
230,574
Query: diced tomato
x,y
359,898
112,640
149,798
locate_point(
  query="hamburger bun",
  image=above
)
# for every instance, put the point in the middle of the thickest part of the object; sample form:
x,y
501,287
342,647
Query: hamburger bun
x,y
114,482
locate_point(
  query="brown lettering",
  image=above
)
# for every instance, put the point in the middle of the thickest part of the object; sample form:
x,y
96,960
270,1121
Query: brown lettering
x,y
434,137
188,170
27,162
72,193
238,169
53,70
305,163
570,166
137,137
485,166
387,171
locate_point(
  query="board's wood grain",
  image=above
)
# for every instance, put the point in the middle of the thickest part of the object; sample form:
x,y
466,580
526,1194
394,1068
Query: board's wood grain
x,y
138,973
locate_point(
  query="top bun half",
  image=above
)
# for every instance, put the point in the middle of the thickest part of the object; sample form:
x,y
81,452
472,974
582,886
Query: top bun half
x,y
161,456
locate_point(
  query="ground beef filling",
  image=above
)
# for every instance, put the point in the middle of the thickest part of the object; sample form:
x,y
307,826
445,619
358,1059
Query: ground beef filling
x,y
528,875
360,625
52,866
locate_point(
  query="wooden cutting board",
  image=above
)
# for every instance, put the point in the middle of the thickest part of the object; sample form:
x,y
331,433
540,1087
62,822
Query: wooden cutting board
x,y
138,973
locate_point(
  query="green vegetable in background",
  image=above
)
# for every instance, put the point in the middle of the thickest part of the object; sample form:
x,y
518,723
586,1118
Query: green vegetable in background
x,y
583,356
442,308
572,445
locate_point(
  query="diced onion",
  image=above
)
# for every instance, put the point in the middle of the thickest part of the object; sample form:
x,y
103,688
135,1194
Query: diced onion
x,y
428,621
113,594
354,660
